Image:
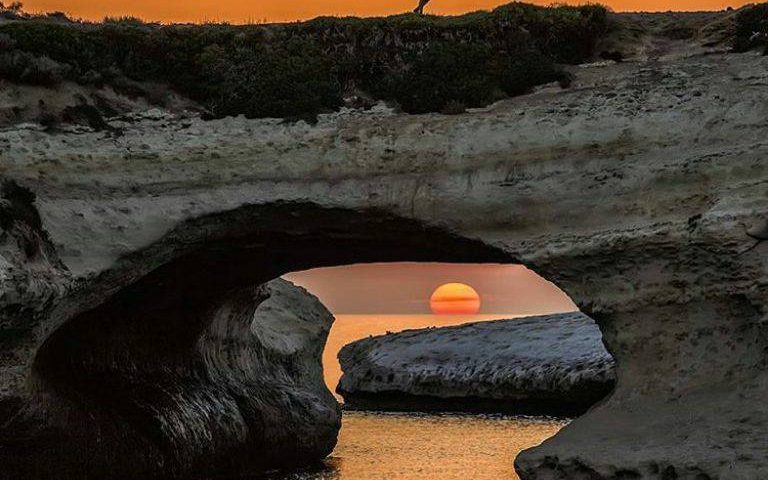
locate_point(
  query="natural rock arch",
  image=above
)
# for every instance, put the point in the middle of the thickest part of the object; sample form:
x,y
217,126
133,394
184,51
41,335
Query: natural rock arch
x,y
144,358
160,377
633,191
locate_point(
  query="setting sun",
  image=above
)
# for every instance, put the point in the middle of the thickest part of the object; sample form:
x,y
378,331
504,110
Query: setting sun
x,y
454,299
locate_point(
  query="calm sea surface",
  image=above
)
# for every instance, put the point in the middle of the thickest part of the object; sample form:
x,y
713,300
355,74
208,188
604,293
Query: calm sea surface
x,y
392,446
384,446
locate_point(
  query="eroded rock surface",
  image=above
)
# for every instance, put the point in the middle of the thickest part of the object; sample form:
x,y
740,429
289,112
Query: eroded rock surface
x,y
633,191
552,364
123,402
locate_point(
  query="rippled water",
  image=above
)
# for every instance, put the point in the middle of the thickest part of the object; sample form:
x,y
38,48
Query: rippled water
x,y
383,446
391,446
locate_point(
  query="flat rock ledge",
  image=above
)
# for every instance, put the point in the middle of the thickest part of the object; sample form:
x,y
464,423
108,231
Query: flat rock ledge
x,y
549,364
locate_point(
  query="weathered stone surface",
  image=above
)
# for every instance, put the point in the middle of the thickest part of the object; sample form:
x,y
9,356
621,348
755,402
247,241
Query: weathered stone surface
x,y
126,401
551,364
632,191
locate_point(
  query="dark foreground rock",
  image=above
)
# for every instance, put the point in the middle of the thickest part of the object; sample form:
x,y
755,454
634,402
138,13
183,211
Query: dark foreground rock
x,y
551,364
252,382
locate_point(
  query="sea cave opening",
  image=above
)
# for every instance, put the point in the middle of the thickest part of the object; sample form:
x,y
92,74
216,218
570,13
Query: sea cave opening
x,y
407,414
181,360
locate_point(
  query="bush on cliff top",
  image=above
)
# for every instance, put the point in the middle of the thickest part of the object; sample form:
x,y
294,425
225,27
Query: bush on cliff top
x,y
425,63
447,76
752,28
287,80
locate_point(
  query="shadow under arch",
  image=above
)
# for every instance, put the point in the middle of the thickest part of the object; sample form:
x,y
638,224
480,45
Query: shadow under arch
x,y
128,388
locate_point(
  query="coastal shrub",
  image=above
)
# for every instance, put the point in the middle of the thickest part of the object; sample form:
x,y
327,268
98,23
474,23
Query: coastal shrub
x,y
6,42
520,72
29,69
129,20
752,28
443,73
453,107
425,63
11,11
293,80
12,6
85,114
57,17
446,75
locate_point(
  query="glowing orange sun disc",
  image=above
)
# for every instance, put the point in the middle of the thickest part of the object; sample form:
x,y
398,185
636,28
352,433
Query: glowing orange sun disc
x,y
454,299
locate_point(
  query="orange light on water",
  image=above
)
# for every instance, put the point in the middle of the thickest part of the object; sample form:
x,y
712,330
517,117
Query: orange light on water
x,y
454,299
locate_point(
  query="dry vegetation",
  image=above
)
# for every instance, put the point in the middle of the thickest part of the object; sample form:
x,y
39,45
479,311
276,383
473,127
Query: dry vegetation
x,y
423,63
752,28
297,70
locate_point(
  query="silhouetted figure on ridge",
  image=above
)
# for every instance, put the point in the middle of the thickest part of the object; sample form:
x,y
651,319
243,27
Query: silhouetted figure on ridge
x,y
420,8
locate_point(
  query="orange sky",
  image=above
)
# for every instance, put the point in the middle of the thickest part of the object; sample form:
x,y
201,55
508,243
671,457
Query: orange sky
x,y
243,11
405,288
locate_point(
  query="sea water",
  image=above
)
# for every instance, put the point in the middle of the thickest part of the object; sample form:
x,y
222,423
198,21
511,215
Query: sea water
x,y
394,446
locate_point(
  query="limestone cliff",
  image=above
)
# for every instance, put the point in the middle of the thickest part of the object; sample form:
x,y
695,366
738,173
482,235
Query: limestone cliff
x,y
551,364
633,191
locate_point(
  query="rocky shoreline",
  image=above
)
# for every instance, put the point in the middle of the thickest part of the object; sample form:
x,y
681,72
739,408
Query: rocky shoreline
x,y
634,191
543,365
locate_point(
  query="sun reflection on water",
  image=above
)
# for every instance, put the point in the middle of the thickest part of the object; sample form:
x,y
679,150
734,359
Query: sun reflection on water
x,y
379,446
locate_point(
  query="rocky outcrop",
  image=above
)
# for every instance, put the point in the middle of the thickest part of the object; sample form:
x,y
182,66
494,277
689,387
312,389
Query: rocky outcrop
x,y
552,364
136,401
633,191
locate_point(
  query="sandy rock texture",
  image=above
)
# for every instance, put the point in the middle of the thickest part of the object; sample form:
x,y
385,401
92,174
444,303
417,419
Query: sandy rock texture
x,y
551,364
633,191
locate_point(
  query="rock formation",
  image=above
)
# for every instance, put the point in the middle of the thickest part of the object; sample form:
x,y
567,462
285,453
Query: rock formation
x,y
632,191
139,401
551,364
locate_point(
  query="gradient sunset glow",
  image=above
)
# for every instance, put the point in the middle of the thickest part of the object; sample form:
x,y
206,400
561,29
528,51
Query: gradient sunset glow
x,y
376,298
242,11
406,288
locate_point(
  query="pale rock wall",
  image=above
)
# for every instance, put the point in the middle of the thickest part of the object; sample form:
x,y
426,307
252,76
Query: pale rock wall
x,y
632,191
